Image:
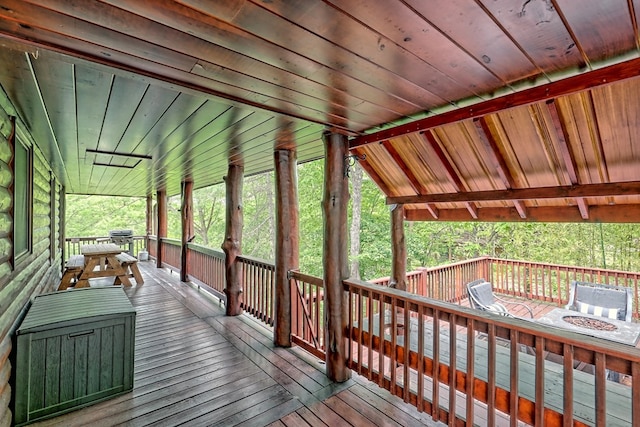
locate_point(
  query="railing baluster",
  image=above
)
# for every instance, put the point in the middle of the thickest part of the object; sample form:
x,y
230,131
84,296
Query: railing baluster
x,y
491,374
635,394
393,363
453,361
567,419
514,370
407,347
370,341
420,382
601,389
435,370
539,393
471,362
381,316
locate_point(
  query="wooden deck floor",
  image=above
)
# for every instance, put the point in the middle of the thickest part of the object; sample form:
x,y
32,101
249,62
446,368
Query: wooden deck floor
x,y
194,366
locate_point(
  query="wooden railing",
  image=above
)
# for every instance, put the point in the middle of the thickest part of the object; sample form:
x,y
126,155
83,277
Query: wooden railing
x,y
444,283
307,301
73,244
419,348
152,248
550,282
258,278
170,253
207,266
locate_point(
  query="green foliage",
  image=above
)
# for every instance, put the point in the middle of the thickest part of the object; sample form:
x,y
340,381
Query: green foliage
x,y
614,246
94,216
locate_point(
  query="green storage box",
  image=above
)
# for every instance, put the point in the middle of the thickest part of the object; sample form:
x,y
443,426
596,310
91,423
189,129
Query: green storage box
x,y
73,349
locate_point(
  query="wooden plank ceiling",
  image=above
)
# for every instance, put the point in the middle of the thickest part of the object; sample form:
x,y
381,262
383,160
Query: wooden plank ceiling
x,y
463,109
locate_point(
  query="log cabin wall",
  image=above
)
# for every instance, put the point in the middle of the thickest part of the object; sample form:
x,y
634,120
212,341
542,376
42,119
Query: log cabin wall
x,y
39,270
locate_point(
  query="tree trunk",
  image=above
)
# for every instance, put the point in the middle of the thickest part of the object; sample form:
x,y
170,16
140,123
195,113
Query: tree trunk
x,y
336,198
232,245
287,244
356,211
186,215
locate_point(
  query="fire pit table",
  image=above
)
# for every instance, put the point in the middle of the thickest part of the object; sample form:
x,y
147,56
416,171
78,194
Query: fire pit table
x,y
595,326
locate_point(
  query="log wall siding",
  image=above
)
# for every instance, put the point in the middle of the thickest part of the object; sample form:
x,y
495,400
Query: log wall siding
x,y
39,271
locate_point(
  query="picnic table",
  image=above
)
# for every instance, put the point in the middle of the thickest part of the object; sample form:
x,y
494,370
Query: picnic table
x,y
101,261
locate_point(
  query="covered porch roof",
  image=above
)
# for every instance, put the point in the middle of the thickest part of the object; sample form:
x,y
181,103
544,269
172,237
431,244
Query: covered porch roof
x,y
465,110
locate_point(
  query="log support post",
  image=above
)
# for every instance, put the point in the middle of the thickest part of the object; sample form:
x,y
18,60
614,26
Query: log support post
x,y
162,225
287,239
186,215
232,245
149,217
399,260
398,249
336,269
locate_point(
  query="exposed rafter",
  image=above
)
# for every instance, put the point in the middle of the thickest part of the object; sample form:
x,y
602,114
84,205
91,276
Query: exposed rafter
x,y
567,157
588,80
497,161
561,192
603,213
450,170
364,164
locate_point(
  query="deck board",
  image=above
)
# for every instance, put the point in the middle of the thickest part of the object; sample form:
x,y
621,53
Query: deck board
x,y
195,366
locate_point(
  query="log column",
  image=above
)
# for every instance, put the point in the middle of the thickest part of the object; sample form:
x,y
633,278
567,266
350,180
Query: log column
x,y
186,215
232,245
162,224
336,269
398,249
149,216
287,238
399,260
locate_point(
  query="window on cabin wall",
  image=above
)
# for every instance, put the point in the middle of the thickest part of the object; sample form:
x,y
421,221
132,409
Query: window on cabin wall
x,y
22,167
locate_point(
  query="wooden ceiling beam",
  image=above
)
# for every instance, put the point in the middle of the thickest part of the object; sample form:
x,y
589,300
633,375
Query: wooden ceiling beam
x,y
413,180
565,151
570,85
623,214
452,174
497,161
402,165
631,188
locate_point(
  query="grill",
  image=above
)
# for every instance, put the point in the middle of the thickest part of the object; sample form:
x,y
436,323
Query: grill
x,y
122,237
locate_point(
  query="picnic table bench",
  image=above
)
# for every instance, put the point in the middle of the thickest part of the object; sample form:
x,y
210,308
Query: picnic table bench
x,y
72,270
130,265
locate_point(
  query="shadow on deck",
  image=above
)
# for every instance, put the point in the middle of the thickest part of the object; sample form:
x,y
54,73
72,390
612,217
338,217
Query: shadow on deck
x,y
195,366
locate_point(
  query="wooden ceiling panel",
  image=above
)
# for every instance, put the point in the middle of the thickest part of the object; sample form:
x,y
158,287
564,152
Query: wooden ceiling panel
x,y
618,115
462,147
345,55
539,30
79,21
408,37
495,96
531,156
387,170
466,23
602,29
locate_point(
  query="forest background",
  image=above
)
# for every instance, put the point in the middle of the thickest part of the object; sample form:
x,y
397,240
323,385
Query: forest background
x,y
613,246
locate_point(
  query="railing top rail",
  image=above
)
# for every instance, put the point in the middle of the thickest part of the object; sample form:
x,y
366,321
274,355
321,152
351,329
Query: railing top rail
x,y
257,261
170,241
565,267
458,263
206,250
317,281
521,325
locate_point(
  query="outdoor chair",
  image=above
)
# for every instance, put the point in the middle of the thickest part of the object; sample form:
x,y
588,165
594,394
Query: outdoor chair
x,y
482,297
613,302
